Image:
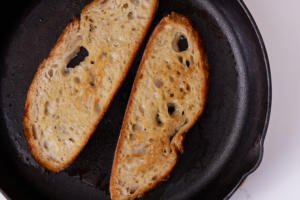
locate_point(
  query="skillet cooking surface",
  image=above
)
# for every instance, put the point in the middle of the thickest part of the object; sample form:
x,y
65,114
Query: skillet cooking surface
x,y
220,150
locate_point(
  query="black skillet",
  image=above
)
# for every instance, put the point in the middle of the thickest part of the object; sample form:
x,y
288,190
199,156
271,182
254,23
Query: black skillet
x,y
223,147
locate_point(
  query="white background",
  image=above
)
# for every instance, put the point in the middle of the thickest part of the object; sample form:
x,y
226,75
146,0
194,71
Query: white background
x,y
278,177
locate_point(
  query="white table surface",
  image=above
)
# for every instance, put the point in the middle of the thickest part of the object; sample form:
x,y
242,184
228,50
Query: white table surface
x,y
278,177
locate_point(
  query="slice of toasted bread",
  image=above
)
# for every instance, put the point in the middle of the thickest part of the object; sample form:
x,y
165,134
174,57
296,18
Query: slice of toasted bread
x,y
168,96
68,98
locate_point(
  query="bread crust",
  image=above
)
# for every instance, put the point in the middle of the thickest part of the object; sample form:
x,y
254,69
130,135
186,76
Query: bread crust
x,y
27,121
177,142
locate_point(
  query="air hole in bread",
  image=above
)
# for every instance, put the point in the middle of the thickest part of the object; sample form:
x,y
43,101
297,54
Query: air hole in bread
x,y
188,87
50,73
47,108
132,137
65,72
51,158
125,5
165,152
130,15
183,44
137,127
92,62
191,107
172,95
187,63
151,140
154,178
158,120
180,59
92,84
182,113
171,108
79,57
46,145
158,83
132,191
180,43
77,80
71,140
171,78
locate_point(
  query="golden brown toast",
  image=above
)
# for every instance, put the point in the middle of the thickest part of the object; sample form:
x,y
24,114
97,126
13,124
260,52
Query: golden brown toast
x,y
168,96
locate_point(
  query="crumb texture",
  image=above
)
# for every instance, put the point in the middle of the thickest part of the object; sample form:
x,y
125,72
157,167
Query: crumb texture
x,y
74,85
167,98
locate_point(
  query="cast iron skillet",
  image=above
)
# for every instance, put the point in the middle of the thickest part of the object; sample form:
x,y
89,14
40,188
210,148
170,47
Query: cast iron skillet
x,y
223,147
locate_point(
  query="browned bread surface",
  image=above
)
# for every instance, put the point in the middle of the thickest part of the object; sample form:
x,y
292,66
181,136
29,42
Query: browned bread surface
x,y
167,98
64,105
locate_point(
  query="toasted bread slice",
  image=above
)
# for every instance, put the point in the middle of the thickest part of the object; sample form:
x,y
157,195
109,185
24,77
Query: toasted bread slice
x,y
168,96
68,98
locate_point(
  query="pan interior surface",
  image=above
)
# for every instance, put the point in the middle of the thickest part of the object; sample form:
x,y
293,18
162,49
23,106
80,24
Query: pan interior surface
x,y
223,146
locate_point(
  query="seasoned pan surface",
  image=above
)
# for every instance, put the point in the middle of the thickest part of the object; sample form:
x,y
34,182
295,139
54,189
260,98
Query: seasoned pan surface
x,y
223,147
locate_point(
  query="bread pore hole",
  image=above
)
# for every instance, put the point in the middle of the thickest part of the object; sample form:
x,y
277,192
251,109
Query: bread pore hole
x,y
50,73
65,72
180,59
137,127
78,58
171,108
46,145
132,137
77,80
131,190
165,152
187,63
158,120
130,15
72,140
180,43
158,83
188,87
154,178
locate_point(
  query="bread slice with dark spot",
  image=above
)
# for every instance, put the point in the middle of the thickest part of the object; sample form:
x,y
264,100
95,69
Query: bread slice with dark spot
x,y
168,96
74,86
